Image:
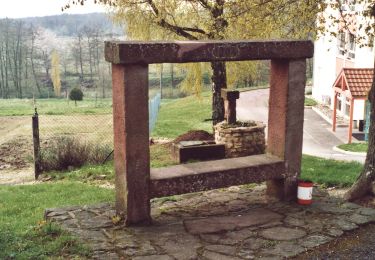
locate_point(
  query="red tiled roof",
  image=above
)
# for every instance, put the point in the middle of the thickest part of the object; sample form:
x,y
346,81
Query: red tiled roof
x,y
359,81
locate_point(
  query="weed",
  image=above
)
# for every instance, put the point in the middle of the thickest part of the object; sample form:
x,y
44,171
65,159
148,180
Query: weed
x,y
310,102
67,152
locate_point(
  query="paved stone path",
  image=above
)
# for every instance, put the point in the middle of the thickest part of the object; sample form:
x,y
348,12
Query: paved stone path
x,y
233,223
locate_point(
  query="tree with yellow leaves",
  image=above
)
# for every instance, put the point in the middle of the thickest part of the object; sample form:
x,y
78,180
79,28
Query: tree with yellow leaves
x,y
55,73
213,20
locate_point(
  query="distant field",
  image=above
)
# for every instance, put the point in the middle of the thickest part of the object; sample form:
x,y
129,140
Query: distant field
x,y
54,106
25,107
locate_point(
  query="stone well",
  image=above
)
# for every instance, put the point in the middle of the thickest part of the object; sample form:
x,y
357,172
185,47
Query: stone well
x,y
241,140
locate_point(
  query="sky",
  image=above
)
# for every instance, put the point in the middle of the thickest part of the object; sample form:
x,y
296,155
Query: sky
x,y
30,8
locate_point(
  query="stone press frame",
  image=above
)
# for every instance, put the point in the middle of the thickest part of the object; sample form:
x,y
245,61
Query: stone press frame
x,y
136,184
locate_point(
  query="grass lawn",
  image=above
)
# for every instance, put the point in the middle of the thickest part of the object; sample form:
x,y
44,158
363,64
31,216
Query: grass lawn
x,y
181,115
354,147
310,102
53,106
22,207
330,172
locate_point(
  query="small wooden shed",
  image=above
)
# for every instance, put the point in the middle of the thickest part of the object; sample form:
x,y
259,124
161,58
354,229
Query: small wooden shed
x,y
353,84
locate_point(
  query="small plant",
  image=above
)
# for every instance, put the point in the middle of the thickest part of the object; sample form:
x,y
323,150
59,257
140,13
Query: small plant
x,y
69,152
76,94
47,228
310,102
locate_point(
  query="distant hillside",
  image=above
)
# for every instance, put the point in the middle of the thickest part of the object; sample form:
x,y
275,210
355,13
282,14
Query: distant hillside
x,y
69,24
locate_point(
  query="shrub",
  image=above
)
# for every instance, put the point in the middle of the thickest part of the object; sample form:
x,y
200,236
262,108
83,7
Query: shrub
x,y
69,152
76,94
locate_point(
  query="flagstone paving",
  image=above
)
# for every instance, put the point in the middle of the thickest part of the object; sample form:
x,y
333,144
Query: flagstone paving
x,y
233,223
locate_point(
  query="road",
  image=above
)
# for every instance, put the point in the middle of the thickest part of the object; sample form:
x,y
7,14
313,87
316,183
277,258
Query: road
x,y
318,139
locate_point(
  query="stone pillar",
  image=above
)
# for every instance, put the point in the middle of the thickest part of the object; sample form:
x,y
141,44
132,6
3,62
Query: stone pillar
x,y
131,142
285,123
230,97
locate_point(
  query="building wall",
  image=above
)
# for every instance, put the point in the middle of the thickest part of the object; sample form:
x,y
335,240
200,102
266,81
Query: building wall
x,y
359,110
324,68
328,63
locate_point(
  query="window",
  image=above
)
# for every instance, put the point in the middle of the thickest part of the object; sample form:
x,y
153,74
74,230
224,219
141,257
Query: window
x,y
341,43
346,45
351,48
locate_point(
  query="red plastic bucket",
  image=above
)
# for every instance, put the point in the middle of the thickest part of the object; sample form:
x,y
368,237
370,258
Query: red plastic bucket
x,y
305,189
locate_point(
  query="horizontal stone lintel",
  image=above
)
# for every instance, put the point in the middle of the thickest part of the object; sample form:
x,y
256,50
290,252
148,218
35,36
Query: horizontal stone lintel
x,y
137,52
201,176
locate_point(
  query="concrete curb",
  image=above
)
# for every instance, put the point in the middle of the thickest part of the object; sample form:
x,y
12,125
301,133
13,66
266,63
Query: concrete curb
x,y
335,148
326,118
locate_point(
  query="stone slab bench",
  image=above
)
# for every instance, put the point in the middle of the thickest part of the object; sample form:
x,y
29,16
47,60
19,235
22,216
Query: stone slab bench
x,y
201,176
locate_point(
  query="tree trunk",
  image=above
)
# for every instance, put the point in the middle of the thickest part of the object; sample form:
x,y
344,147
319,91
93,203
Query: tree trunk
x,y
80,55
2,84
363,185
219,81
89,47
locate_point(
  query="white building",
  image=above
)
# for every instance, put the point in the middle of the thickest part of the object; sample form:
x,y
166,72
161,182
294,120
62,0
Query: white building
x,y
332,54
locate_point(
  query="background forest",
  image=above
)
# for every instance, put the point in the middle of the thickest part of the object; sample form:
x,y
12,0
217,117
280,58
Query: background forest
x,y
65,49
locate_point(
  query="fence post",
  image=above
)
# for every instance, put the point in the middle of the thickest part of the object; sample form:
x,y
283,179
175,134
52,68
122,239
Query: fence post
x,y
36,142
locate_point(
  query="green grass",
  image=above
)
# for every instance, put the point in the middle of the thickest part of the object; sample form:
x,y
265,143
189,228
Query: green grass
x,y
95,174
330,172
310,102
22,207
181,115
354,147
53,106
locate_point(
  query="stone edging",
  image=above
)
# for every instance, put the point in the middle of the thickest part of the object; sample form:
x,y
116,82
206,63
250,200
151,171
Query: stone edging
x,y
326,117
335,148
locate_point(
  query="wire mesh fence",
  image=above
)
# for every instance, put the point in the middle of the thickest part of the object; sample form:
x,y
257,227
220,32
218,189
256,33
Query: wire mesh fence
x,y
87,128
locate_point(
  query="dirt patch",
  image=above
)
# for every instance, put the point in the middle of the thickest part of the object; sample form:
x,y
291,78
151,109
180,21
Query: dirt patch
x,y
11,128
15,154
359,244
367,201
17,176
16,149
194,135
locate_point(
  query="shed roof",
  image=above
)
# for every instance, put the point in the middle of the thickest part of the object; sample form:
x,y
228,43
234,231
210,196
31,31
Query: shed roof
x,y
357,80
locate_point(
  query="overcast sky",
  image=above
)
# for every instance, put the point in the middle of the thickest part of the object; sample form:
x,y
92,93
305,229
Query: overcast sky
x,y
30,8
